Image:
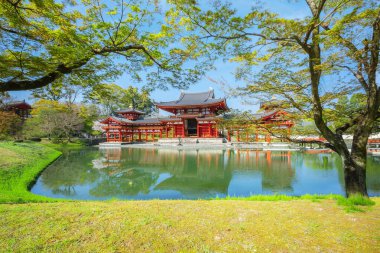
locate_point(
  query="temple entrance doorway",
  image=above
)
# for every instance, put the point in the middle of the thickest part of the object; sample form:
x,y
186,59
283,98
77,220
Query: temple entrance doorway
x,y
191,127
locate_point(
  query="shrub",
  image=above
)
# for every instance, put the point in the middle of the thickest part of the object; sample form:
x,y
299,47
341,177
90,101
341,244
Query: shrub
x,y
10,125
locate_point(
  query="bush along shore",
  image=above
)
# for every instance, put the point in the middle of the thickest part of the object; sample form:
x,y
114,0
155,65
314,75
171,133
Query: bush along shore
x,y
20,165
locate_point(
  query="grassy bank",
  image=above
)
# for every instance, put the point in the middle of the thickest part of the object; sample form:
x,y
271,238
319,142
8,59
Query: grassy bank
x,y
63,146
188,226
20,164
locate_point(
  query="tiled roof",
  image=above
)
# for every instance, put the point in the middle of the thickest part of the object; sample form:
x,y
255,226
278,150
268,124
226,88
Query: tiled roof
x,y
121,119
198,98
263,114
18,103
147,121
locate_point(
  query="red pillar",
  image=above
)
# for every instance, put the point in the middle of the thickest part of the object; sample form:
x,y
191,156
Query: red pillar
x,y
139,136
238,136
267,138
228,135
108,129
146,136
269,157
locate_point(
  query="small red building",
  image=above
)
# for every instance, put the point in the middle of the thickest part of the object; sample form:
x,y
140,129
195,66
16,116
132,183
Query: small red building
x,y
21,108
271,116
193,115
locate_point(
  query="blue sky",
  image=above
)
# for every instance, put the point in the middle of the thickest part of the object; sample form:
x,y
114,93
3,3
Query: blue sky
x,y
224,70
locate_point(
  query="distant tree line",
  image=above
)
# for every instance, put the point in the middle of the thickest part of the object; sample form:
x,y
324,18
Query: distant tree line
x,y
57,115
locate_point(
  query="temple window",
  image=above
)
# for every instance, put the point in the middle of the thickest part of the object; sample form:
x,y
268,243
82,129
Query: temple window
x,y
193,110
180,111
205,111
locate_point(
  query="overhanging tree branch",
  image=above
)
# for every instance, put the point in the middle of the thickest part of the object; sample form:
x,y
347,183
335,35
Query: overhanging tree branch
x,y
63,69
340,130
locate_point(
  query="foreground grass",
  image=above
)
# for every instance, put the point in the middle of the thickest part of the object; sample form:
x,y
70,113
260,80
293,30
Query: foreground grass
x,y
188,226
355,203
20,164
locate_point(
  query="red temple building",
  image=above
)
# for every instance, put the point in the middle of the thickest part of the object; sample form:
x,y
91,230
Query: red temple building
x,y
270,116
21,108
193,115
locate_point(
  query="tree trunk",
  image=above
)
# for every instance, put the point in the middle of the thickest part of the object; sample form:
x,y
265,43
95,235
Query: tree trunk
x,y
355,177
355,163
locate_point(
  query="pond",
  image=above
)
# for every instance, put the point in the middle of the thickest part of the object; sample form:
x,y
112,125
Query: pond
x,y
136,173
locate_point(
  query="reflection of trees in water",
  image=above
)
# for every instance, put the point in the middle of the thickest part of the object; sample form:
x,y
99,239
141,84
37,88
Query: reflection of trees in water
x,y
198,172
373,174
275,167
71,169
329,161
278,174
194,173
325,162
124,182
209,171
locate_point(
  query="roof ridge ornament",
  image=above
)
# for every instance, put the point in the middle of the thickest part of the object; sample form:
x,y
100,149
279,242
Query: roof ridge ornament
x,y
181,95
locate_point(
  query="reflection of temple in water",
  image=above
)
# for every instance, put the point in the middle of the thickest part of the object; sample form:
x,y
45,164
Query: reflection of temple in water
x,y
275,167
199,172
195,172
190,173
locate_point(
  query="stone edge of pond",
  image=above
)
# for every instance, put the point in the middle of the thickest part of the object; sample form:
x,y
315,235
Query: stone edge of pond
x,y
195,146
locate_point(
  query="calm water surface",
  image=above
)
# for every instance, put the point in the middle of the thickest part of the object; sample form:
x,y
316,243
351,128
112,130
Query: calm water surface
x,y
134,173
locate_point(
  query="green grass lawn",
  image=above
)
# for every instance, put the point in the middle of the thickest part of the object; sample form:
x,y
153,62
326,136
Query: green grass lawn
x,y
63,146
188,226
253,224
20,164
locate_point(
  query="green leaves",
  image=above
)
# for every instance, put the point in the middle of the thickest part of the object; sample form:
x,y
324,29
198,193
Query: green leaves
x,y
49,34
113,97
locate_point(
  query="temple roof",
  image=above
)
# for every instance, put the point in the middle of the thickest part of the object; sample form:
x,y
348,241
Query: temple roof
x,y
140,121
266,114
18,104
147,121
187,98
263,114
116,118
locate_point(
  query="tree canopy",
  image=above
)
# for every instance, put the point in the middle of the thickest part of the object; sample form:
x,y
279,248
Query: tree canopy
x,y
112,97
56,120
47,41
